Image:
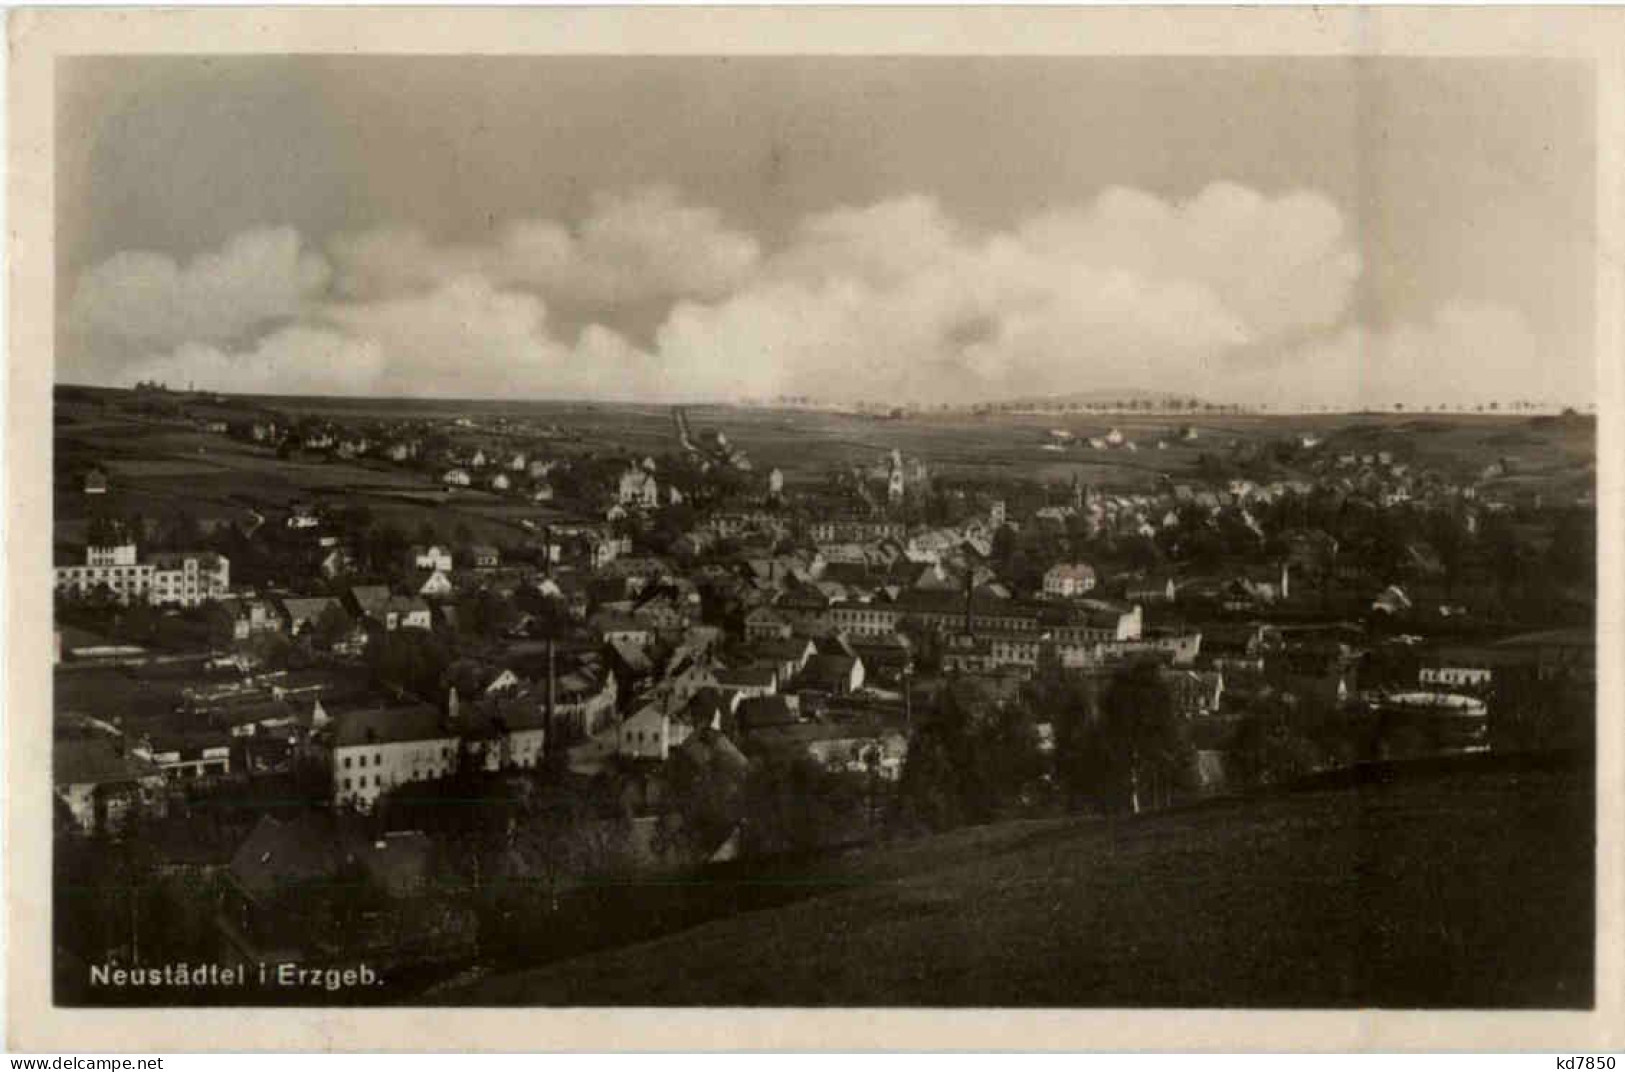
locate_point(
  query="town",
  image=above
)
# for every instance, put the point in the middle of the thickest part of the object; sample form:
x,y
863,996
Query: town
x,y
455,689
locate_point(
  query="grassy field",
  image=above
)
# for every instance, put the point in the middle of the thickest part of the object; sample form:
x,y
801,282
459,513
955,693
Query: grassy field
x,y
159,469
1467,890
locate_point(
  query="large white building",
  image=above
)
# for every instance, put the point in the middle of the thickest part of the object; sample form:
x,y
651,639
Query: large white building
x,y
638,488
376,749
184,578
1067,579
189,578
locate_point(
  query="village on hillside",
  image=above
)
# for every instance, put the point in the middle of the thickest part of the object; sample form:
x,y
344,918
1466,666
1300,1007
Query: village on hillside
x,y
436,689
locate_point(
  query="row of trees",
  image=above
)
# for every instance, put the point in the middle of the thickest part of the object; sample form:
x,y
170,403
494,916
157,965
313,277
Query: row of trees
x,y
1117,745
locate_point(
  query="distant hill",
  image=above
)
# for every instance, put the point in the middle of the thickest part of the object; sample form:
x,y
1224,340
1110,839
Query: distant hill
x,y
1134,396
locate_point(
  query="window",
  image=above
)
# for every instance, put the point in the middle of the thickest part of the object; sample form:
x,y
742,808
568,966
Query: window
x,y
346,763
346,782
377,759
376,781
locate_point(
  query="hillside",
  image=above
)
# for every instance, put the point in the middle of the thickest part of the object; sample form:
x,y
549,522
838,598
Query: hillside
x,y
1467,889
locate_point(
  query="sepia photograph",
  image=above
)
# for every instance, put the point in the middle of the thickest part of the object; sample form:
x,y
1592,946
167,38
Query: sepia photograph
x,y
820,531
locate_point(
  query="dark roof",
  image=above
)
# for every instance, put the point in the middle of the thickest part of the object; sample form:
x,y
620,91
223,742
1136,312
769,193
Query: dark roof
x,y
416,722
708,748
760,711
747,676
491,713
371,598
830,667
781,648
300,608
707,704
280,853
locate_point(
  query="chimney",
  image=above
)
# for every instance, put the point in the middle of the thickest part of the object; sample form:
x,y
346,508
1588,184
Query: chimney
x,y
452,705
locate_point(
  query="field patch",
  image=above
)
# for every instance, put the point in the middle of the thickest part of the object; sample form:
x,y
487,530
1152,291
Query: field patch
x,y
1464,890
158,468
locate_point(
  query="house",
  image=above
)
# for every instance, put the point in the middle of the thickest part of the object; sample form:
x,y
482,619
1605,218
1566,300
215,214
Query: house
x,y
433,557
367,600
336,562
280,905
1455,671
189,578
251,616
834,674
1068,579
787,655
613,627
505,729
756,713
847,748
748,681
371,750
407,612
110,569
542,492
187,755
638,488
1391,600
651,732
100,782
500,482
484,556
95,482
1196,694
302,515
457,478
300,615
437,586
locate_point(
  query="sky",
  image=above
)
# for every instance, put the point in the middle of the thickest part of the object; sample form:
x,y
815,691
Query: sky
x,y
1290,231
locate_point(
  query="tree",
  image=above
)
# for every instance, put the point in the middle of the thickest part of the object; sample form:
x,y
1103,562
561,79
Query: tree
x,y
1268,748
1136,753
330,627
971,759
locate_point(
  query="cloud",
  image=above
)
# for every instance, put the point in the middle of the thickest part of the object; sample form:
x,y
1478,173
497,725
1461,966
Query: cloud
x,y
294,360
897,300
1214,295
1466,353
143,300
639,246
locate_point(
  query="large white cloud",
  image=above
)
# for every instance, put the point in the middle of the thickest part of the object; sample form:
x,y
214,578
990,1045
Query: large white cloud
x,y
1211,296
647,244
898,300
467,337
148,300
293,360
